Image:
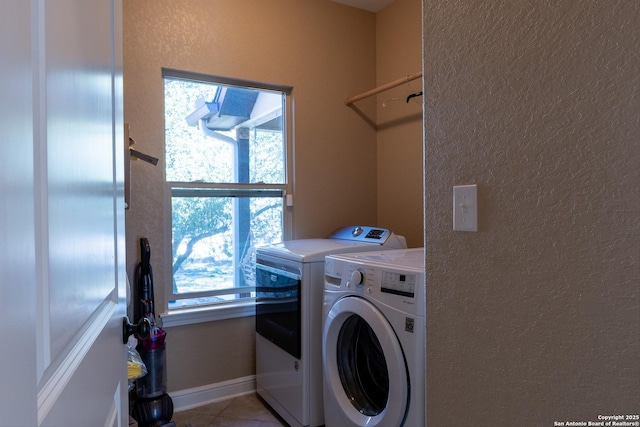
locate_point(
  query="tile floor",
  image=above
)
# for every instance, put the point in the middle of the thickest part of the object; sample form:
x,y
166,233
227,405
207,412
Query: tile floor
x,y
243,411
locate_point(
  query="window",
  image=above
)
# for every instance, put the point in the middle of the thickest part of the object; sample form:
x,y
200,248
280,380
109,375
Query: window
x,y
226,175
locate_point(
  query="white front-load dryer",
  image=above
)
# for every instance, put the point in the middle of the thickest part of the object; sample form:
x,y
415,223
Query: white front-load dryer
x,y
373,340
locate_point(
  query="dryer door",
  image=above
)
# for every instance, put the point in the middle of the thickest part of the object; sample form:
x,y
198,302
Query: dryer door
x,y
366,379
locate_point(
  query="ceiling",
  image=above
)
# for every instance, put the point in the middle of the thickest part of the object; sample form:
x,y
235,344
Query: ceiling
x,y
370,5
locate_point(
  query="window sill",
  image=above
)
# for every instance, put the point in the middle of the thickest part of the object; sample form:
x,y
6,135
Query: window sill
x,y
211,313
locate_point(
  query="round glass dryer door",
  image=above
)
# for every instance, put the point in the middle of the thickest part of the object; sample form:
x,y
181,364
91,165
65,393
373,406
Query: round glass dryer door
x,y
365,367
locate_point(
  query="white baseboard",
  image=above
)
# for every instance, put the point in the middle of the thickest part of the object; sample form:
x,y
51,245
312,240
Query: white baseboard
x,y
203,395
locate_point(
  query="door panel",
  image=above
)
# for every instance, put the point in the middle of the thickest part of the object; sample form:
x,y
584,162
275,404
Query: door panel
x,y
77,394
81,350
61,174
17,227
79,157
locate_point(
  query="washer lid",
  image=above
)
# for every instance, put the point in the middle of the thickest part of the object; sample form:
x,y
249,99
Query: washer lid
x,y
410,259
344,240
313,250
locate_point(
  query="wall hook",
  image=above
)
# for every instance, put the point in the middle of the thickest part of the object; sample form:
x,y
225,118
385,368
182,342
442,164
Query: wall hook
x,y
413,95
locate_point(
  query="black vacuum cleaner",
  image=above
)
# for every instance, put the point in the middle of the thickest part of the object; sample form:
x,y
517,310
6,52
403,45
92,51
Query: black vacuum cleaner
x,y
153,407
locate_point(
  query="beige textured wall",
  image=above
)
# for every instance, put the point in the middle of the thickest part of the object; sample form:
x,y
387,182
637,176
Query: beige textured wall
x,y
207,353
536,317
326,51
399,124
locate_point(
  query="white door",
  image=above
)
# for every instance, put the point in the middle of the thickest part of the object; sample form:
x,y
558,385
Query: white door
x,y
62,258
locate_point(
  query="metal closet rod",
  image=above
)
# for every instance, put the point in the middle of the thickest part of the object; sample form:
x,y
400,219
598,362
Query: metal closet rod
x,y
382,88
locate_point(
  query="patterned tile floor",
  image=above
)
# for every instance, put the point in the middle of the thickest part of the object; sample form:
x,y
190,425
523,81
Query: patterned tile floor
x,y
243,411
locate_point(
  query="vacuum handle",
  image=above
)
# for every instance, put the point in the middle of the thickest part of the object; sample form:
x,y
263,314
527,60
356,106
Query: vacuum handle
x,y
143,328
145,256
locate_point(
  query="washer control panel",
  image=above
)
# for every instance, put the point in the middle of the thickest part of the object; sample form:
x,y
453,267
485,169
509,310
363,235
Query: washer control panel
x,y
397,286
398,283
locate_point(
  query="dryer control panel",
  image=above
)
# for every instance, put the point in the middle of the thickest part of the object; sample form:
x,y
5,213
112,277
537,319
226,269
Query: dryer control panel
x,y
363,233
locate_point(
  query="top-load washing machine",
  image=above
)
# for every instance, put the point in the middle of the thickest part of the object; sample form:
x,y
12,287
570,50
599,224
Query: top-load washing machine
x,y
373,340
289,287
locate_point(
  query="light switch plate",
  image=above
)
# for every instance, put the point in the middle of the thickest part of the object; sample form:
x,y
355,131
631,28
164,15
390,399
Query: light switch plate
x,y
465,208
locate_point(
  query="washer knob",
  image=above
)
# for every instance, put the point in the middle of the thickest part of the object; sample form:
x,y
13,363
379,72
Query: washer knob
x,y
357,278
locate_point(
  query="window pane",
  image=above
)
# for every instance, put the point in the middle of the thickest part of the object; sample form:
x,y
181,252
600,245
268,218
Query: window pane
x,y
201,243
267,157
190,154
214,238
223,134
219,133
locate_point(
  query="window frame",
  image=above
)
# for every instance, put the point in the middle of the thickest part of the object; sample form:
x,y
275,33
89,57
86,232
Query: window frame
x,y
244,306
